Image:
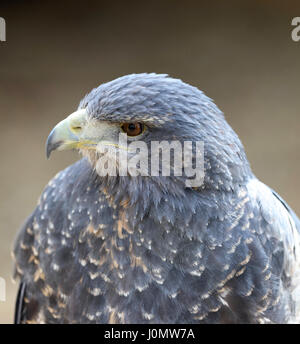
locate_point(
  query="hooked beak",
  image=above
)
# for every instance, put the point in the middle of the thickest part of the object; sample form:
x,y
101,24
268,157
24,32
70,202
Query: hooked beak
x,y
66,134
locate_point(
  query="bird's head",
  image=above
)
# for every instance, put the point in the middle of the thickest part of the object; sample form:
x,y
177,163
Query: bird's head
x,y
144,109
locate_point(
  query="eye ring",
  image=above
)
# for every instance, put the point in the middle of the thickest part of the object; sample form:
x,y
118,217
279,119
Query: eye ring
x,y
133,129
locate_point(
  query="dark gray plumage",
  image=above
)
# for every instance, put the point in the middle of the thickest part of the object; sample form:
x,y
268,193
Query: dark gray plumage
x,y
148,249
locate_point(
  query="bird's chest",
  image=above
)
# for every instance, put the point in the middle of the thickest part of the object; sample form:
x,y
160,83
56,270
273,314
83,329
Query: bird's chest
x,y
163,268
143,270
130,270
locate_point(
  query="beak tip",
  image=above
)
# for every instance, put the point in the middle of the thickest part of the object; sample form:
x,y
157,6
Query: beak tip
x,y
48,153
52,144
50,147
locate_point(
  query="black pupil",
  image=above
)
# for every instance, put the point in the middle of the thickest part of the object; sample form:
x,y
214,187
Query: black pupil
x,y
131,126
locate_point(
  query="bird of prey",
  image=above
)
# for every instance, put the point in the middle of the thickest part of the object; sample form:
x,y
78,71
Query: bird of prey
x,y
148,249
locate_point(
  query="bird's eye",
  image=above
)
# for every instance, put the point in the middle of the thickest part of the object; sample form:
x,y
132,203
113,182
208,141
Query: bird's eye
x,y
133,129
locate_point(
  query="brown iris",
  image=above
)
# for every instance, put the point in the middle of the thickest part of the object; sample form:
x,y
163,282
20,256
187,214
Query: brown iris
x,y
132,129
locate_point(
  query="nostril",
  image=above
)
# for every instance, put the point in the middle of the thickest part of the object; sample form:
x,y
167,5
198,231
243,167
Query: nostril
x,y
76,128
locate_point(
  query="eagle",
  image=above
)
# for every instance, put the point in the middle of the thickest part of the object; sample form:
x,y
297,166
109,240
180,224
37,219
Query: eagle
x,y
142,248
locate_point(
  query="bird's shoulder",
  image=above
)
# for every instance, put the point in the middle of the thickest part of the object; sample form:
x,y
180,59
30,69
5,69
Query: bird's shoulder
x,y
277,228
250,243
44,248
65,203
276,218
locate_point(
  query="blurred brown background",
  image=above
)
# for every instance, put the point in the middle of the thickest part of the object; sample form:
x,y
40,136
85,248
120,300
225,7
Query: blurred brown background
x,y
239,53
